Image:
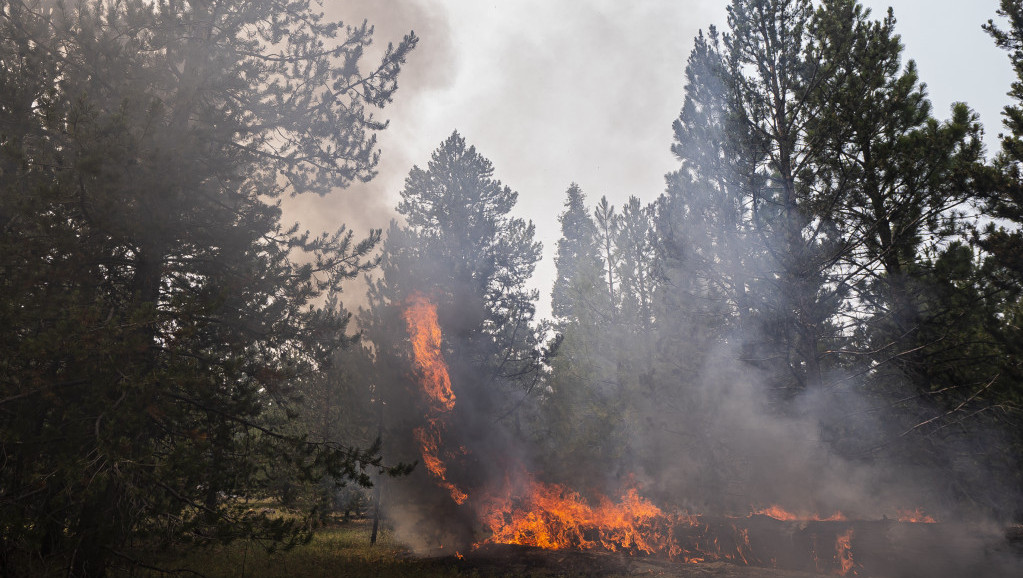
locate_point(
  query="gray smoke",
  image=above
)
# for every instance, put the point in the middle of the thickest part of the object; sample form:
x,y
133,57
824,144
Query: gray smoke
x,y
724,446
370,205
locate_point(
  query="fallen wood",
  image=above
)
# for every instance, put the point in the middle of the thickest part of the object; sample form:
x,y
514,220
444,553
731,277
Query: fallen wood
x,y
863,548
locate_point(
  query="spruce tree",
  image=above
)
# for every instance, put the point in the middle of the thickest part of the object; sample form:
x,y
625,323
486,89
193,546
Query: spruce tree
x,y
580,418
578,261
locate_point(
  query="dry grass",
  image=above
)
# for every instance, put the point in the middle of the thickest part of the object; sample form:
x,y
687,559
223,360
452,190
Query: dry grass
x,y
335,552
344,551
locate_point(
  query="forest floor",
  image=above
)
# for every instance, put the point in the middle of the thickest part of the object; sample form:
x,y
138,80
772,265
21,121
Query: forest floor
x,y
344,551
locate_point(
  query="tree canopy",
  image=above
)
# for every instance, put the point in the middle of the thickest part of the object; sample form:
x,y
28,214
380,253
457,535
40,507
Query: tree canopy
x,y
155,309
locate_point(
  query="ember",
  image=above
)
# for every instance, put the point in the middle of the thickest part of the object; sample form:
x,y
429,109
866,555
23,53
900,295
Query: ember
x,y
779,513
916,516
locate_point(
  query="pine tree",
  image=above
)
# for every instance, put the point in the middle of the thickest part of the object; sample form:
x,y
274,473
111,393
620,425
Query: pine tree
x,y
155,310
708,251
608,224
743,228
461,248
580,417
776,75
637,267
905,176
1002,241
578,261
1007,200
472,256
818,214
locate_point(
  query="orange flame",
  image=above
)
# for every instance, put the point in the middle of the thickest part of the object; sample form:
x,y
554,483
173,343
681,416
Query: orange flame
x,y
915,516
429,442
553,517
421,320
781,514
843,553
424,330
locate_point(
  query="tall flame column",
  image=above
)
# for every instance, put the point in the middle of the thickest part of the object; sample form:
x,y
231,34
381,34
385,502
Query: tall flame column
x,y
424,330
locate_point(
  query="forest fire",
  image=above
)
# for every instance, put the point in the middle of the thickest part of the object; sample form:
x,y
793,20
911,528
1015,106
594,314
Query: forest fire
x,y
916,516
554,517
421,320
779,513
843,549
526,512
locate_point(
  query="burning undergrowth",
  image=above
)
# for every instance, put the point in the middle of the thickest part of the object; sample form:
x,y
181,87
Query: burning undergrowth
x,y
476,491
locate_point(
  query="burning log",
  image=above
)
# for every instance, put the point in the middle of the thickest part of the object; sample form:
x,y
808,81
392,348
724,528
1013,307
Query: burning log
x,y
848,547
860,548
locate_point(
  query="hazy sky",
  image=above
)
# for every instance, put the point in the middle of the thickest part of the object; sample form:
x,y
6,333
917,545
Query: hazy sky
x,y
556,91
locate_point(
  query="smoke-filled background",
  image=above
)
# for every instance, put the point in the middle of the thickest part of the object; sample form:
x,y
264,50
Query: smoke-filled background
x,y
698,417
560,92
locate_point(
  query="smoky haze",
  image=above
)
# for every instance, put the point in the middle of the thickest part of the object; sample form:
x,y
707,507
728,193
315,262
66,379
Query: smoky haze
x,y
553,91
560,92
364,206
723,445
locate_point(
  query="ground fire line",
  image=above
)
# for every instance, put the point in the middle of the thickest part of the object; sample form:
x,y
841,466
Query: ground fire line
x,y
531,513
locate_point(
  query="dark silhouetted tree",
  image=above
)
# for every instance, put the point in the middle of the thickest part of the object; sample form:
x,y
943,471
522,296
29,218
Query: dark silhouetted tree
x,y
155,310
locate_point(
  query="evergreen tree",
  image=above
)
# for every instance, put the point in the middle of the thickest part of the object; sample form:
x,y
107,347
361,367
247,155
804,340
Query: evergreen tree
x,y
608,224
795,189
917,321
708,251
776,74
748,238
904,178
472,256
1003,239
1006,202
819,214
580,418
462,249
155,311
578,261
637,267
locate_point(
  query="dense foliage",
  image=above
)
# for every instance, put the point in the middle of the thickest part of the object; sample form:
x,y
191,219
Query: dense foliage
x,y
155,311
460,249
820,237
